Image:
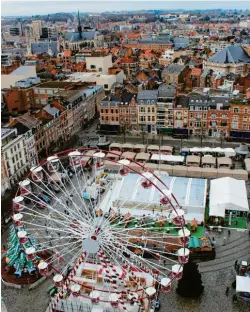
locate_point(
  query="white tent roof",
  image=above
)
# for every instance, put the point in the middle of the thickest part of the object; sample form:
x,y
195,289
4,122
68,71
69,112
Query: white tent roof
x,y
227,194
242,283
163,157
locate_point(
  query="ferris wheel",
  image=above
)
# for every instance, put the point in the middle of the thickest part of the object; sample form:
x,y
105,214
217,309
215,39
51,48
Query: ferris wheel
x,y
106,230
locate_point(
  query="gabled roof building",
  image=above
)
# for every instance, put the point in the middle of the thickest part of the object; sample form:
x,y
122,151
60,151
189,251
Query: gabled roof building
x,y
232,59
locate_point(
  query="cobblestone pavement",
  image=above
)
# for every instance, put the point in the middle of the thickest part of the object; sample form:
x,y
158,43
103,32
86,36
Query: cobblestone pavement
x,y
216,276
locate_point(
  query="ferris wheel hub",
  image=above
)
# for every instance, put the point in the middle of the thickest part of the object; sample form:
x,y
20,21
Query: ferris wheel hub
x,y
91,245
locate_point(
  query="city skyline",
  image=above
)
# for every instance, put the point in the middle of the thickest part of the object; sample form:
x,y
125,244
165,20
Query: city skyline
x,y
25,8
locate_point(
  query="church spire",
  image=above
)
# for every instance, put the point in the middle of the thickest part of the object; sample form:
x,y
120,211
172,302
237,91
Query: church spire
x,y
79,25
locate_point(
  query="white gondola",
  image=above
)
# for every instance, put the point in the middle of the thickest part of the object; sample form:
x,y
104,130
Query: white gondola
x,y
99,160
183,255
147,181
184,236
150,291
22,235
95,296
58,280
37,174
178,217
114,300
53,163
75,289
124,170
18,219
31,253
75,159
166,284
177,271
25,187
43,268
18,203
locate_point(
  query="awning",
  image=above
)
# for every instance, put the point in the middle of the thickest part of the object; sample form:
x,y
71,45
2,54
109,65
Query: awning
x,y
242,284
170,158
194,242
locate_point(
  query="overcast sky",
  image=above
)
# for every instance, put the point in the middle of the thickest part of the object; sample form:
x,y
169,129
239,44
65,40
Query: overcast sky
x,y
18,7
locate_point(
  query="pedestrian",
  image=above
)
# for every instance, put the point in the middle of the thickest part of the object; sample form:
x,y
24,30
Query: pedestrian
x,y
213,242
235,264
224,241
67,203
227,291
229,232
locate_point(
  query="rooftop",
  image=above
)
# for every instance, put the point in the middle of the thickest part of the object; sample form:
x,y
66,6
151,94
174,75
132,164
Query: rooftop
x,y
147,95
166,91
174,69
54,84
231,54
6,131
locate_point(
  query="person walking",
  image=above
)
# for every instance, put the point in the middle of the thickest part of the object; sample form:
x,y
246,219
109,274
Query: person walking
x,y
229,233
224,241
235,265
213,242
227,291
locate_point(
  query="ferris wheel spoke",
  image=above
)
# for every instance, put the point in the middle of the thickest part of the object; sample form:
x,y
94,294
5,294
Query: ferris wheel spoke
x,y
73,187
125,261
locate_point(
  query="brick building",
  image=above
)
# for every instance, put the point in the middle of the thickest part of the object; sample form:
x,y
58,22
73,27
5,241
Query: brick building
x,y
240,118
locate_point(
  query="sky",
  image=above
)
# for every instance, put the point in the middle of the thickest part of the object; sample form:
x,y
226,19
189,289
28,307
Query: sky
x,y
22,8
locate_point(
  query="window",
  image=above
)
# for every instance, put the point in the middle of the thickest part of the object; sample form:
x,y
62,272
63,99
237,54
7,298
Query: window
x,y
101,110
37,101
106,86
204,115
223,123
42,91
44,101
153,109
13,160
191,107
234,125
213,115
107,111
116,118
92,66
224,116
149,118
213,123
235,118
191,115
50,92
112,111
246,110
244,126
236,110
153,118
244,118
149,110
191,124
100,69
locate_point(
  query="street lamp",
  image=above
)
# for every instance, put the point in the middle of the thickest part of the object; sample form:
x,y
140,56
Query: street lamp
x,y
202,128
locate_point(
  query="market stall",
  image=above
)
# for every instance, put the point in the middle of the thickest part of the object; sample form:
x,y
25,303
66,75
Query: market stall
x,y
153,149
111,156
247,164
167,159
128,155
194,172
224,162
142,157
168,150
139,148
224,172
193,161
127,147
115,147
208,161
180,171
240,174
209,173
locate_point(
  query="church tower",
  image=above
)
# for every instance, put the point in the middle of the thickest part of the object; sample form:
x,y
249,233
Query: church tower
x,y
79,28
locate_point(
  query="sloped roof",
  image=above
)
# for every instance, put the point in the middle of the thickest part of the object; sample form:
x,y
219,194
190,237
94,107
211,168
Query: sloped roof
x,y
51,110
174,69
231,54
